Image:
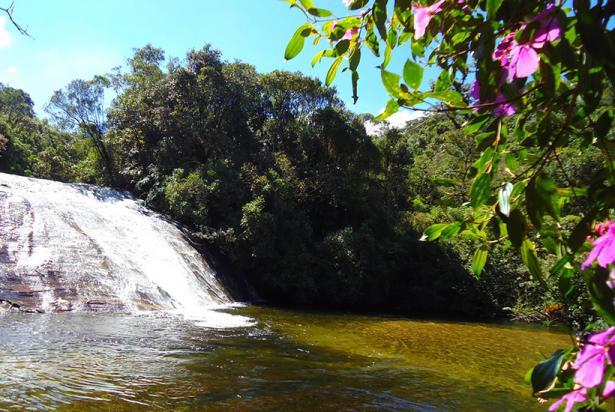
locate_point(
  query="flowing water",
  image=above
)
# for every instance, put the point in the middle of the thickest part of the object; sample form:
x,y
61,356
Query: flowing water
x,y
106,306
73,247
285,361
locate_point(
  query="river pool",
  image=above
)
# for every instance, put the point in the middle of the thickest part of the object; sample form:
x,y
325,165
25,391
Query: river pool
x,y
286,361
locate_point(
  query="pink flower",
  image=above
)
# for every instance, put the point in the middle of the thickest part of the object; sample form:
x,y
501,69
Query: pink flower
x,y
475,92
502,51
350,33
611,282
549,31
422,17
523,61
604,249
504,108
609,390
520,60
571,398
602,228
333,24
590,361
347,3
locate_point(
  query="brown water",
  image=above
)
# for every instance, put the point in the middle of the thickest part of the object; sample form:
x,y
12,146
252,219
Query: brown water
x,y
286,361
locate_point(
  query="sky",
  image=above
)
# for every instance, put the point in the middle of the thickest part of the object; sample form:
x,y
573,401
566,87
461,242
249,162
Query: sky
x,y
74,39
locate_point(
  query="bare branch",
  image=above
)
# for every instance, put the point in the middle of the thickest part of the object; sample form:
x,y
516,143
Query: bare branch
x,y
9,12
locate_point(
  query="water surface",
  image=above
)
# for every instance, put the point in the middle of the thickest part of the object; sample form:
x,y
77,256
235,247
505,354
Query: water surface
x,y
285,361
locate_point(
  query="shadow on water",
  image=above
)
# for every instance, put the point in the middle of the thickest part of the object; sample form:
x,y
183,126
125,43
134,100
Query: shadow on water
x,y
103,194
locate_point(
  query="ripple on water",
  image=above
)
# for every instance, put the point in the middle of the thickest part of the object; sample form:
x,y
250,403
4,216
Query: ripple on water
x,y
287,360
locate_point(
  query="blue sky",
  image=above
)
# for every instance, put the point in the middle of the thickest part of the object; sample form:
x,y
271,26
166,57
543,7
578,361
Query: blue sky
x,y
78,39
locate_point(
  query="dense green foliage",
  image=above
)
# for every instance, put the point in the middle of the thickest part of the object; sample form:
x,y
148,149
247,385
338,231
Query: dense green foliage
x,y
282,181
550,64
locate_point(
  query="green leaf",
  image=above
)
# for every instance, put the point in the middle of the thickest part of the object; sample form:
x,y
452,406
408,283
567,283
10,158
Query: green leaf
x,y
372,42
318,56
413,74
541,197
443,83
333,70
492,8
387,57
504,198
390,82
355,86
357,4
319,12
516,227
479,260
391,108
566,275
380,17
418,50
392,38
450,230
546,371
530,260
355,59
433,232
481,190
341,47
295,45
448,96
307,4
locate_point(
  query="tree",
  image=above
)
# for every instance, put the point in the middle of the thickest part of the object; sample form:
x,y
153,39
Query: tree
x,y
15,103
542,77
80,108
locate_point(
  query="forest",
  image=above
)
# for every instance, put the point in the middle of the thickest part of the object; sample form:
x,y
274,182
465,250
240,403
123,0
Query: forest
x,y
280,180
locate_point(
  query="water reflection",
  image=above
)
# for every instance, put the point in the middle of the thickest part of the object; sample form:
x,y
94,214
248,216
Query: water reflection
x,y
289,361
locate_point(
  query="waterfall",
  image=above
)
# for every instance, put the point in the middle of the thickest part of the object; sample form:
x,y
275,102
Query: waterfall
x,y
77,247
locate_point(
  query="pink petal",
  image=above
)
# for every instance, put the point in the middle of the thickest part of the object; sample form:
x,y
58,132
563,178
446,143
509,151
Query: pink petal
x,y
475,92
611,282
504,47
557,404
609,389
422,17
603,338
434,8
504,108
549,31
421,20
607,253
524,61
350,33
591,257
571,398
590,366
543,14
577,396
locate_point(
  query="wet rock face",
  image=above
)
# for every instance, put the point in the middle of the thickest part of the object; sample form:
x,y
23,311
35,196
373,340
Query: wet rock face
x,y
83,248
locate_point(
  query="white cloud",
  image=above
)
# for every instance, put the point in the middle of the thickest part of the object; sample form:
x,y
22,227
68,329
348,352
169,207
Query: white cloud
x,y
397,120
5,36
9,75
